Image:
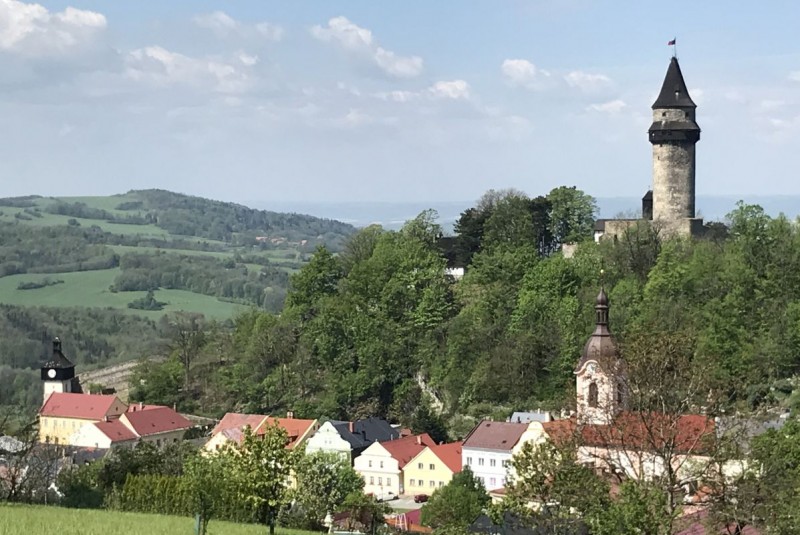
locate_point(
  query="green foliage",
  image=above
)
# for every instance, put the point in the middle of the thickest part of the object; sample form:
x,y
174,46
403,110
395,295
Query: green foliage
x,y
148,302
324,480
79,486
364,512
457,504
43,283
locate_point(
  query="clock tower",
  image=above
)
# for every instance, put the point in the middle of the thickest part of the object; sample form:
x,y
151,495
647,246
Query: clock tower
x,y
600,374
58,372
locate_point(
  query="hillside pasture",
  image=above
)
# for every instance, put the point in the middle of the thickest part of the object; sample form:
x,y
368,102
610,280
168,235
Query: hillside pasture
x,y
49,520
91,289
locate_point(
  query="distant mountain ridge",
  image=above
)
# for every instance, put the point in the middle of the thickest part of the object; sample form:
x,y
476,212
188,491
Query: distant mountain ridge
x,y
392,215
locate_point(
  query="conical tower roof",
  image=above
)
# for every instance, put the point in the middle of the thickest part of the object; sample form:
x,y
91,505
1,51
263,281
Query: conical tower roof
x,y
674,93
58,360
601,346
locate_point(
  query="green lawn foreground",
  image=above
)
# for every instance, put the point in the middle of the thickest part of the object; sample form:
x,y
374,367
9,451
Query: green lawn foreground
x,y
49,520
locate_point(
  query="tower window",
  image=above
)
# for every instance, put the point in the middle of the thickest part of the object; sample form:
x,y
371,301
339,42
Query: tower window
x,y
663,114
620,394
593,395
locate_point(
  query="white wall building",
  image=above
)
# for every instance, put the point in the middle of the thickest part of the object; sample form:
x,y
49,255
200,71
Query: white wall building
x,y
488,449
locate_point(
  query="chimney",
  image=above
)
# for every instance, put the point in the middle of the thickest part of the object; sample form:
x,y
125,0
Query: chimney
x,y
290,414
351,426
419,439
141,406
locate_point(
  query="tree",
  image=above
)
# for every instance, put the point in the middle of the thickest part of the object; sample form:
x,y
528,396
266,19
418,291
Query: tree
x,y
316,280
204,476
571,214
261,466
364,511
425,421
324,480
186,334
456,504
549,476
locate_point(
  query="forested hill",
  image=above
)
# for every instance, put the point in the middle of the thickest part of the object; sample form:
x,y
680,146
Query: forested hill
x,y
187,215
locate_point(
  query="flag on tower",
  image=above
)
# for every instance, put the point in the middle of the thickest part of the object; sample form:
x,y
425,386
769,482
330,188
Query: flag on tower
x,y
672,43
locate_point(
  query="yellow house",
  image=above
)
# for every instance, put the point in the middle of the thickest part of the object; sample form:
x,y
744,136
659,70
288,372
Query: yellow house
x,y
432,468
64,414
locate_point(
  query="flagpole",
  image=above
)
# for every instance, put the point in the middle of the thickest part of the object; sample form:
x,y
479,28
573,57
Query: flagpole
x,y
675,47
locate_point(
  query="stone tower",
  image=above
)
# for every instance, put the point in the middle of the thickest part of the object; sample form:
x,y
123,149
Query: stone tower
x,y
600,374
673,135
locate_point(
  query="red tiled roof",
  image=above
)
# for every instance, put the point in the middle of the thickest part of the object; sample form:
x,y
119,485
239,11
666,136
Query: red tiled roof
x,y
156,420
406,448
296,428
560,431
234,420
697,524
115,430
83,406
491,435
688,433
450,455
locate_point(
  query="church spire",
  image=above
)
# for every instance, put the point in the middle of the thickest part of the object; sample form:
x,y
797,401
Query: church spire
x,y
674,93
601,309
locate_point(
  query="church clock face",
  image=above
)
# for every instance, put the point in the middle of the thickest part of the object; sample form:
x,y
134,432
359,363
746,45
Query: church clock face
x,y
51,374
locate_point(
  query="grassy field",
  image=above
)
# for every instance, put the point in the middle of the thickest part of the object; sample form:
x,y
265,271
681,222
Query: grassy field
x,y
43,520
90,289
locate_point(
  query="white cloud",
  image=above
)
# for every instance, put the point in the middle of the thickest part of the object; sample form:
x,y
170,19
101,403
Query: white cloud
x,y
360,41
454,89
223,25
794,76
613,106
521,72
159,67
32,30
587,81
444,89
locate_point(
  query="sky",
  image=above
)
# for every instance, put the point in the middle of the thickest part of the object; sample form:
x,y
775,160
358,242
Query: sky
x,y
364,101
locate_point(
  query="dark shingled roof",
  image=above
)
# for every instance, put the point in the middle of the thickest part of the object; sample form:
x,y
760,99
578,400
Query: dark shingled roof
x,y
58,360
365,432
674,93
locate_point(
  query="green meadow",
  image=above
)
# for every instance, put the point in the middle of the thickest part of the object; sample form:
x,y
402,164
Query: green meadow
x,y
91,289
48,520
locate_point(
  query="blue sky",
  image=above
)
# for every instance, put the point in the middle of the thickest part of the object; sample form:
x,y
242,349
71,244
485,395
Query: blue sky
x,y
375,101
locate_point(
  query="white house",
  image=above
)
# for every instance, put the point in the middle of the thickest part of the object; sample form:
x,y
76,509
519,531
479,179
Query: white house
x,y
488,449
381,464
351,438
328,439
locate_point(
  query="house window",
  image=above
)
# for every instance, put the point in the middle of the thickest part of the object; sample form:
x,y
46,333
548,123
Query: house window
x,y
370,464
492,462
380,481
432,484
432,466
593,395
505,463
502,482
388,481
411,483
469,461
381,464
441,484
371,480
480,461
420,466
492,482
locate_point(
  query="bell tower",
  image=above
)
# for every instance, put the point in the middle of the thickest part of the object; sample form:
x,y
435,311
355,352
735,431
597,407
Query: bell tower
x,y
58,372
600,374
673,135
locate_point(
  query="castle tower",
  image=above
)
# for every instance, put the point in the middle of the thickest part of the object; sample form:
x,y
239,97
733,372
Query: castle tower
x,y
673,135
58,372
600,374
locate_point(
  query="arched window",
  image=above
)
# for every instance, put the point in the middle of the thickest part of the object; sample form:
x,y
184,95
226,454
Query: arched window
x,y
620,394
593,395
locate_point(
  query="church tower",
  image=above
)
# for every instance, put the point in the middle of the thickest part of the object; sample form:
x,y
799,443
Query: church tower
x,y
600,374
673,135
58,372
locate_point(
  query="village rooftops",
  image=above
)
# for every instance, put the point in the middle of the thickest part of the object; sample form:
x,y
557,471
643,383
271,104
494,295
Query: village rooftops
x,y
237,421
449,454
156,420
116,431
406,448
490,435
296,428
81,406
